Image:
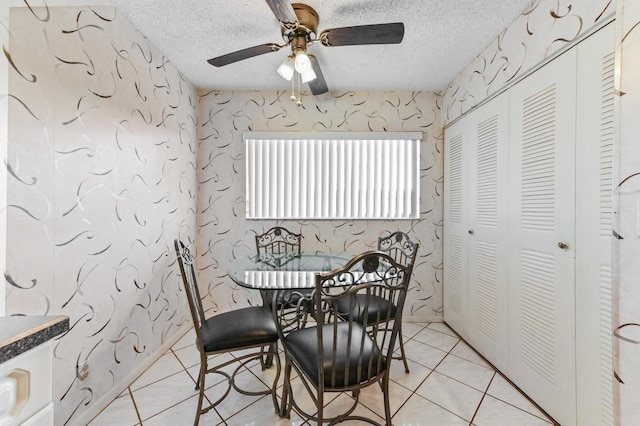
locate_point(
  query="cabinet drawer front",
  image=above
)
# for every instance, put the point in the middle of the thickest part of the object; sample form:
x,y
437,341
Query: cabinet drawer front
x,y
37,389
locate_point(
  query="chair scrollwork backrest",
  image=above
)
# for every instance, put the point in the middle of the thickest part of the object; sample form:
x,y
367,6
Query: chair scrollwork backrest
x,y
399,246
278,245
188,271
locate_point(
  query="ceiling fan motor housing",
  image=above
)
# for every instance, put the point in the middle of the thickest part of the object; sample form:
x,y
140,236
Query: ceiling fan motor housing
x,y
307,24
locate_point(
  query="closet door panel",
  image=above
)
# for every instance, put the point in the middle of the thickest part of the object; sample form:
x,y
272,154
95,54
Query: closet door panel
x,y
488,240
541,233
456,214
594,189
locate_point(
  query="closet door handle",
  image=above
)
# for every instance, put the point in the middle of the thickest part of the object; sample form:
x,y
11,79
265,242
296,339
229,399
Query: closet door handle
x,y
470,231
563,246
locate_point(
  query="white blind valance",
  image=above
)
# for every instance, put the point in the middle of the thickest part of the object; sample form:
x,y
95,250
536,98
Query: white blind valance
x,y
332,175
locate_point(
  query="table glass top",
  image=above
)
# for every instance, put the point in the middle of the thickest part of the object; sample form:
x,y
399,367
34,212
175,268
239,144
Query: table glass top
x,y
292,272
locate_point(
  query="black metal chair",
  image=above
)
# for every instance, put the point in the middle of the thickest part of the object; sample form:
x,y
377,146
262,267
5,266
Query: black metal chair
x,y
328,348
277,246
399,246
237,330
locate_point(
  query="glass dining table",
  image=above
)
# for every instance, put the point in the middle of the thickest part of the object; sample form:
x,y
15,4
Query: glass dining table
x,y
286,272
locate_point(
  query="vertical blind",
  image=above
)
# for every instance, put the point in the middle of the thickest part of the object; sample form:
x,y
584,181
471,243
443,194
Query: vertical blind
x,y
330,175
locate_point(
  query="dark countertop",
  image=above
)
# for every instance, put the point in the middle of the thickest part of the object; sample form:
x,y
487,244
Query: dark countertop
x,y
18,334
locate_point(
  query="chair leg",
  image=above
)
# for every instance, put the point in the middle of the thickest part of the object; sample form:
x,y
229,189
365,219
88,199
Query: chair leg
x,y
200,386
274,387
267,361
285,406
404,357
385,393
320,404
199,378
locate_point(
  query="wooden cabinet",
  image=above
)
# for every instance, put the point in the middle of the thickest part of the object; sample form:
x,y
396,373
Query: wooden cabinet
x,y
527,232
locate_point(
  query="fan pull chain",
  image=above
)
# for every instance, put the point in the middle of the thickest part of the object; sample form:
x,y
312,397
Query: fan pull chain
x,y
296,83
299,83
293,93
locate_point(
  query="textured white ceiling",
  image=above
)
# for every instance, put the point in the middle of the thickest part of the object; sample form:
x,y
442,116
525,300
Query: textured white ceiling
x,y
441,38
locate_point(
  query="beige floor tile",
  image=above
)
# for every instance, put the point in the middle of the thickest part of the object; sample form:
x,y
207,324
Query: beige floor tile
x,y
450,394
188,356
235,401
189,339
261,412
344,402
504,391
443,328
165,366
492,412
465,351
417,374
121,412
372,397
425,355
183,413
162,394
466,372
418,411
410,329
437,339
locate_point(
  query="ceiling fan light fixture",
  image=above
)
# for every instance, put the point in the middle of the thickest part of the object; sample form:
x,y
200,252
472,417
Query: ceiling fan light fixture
x,y
286,68
308,75
302,62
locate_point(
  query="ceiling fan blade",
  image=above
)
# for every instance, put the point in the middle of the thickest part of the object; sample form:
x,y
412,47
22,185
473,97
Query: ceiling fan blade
x,y
363,34
239,55
318,85
283,10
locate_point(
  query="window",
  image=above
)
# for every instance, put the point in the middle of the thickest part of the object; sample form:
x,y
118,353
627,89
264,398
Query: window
x,y
332,175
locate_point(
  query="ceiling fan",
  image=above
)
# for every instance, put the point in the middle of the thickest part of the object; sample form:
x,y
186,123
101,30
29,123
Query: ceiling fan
x,y
299,25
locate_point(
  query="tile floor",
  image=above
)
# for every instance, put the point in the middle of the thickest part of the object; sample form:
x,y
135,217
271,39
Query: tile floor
x,y
449,384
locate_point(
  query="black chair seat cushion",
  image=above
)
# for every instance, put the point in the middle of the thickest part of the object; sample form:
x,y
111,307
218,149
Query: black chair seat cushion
x,y
239,328
376,311
303,347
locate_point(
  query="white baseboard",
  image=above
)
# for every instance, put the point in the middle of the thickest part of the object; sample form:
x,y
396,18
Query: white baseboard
x,y
119,387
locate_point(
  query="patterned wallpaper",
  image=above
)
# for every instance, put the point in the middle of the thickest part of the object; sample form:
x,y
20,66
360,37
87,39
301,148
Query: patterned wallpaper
x,y
544,28
627,193
101,179
223,232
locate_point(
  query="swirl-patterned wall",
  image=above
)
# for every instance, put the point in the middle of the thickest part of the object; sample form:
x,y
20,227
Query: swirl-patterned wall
x,y
223,232
101,179
627,192
543,29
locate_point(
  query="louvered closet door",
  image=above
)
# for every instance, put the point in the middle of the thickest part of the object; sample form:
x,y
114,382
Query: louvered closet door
x,y
488,225
594,152
456,217
542,204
